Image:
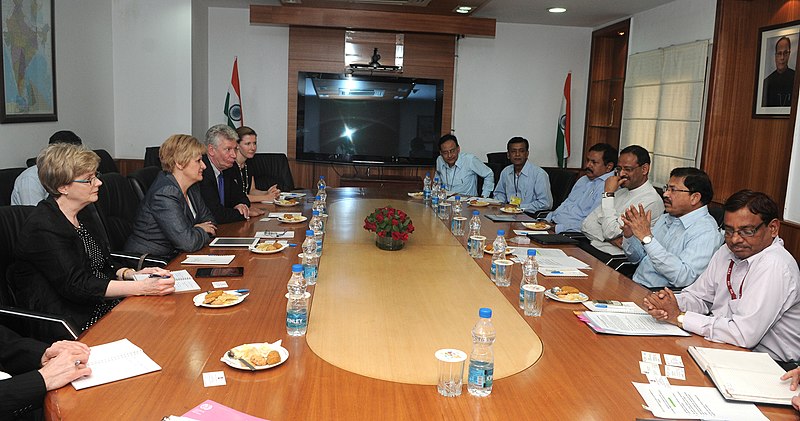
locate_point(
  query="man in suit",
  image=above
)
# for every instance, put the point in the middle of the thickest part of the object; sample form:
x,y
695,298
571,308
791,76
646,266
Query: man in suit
x,y
221,187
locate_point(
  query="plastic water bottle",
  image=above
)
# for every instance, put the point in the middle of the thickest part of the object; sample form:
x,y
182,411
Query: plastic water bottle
x,y
481,360
321,183
316,227
442,200
310,258
323,197
530,273
474,227
317,205
457,206
297,304
426,189
498,251
435,195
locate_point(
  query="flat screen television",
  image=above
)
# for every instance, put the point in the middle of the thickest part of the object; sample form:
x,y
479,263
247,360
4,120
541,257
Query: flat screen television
x,y
370,120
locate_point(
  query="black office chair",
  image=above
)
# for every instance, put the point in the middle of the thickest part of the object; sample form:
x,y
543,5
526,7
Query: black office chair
x,y
11,220
271,168
107,164
151,157
561,182
498,158
30,162
117,205
717,212
142,179
7,178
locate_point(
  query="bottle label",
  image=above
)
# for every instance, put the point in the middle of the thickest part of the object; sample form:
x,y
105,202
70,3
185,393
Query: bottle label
x,y
310,273
296,319
319,247
493,270
481,376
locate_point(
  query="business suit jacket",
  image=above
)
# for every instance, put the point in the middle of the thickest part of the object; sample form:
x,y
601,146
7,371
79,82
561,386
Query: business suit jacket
x,y
52,271
164,224
234,195
21,358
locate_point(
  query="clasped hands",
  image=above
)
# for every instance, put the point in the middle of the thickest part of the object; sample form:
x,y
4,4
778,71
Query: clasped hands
x,y
663,305
64,362
636,222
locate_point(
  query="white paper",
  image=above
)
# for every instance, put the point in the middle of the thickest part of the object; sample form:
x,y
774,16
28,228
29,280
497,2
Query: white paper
x,y
657,379
527,232
219,284
214,378
572,273
651,357
274,234
183,281
674,372
632,324
280,214
650,369
691,402
673,360
208,259
115,361
627,307
4,375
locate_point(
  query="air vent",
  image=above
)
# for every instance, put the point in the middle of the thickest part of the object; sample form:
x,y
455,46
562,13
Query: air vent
x,y
361,92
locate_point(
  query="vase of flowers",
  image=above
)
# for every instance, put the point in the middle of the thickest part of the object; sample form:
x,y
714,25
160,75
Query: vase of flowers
x,y
391,227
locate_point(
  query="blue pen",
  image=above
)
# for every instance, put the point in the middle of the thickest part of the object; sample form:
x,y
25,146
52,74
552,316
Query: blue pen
x,y
242,291
601,306
556,272
292,245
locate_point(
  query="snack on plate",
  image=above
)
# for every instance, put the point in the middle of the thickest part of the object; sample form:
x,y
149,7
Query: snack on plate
x,y
285,202
511,209
569,293
258,355
269,246
538,225
290,217
216,298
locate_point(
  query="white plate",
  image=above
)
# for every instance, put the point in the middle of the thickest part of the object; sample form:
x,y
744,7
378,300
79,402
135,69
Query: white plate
x,y
293,221
478,203
509,250
238,364
511,210
287,203
198,300
550,295
283,246
538,226
292,195
416,194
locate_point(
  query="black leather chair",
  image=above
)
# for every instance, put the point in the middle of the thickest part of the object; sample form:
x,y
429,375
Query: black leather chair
x,y
561,182
271,168
107,164
142,179
11,220
151,157
718,212
7,178
117,205
30,162
498,158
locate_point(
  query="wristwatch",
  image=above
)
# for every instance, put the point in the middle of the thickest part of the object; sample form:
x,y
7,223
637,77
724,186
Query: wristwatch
x,y
680,320
608,194
647,239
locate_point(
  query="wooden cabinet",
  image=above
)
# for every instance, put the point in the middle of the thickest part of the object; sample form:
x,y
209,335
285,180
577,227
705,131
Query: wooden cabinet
x,y
609,57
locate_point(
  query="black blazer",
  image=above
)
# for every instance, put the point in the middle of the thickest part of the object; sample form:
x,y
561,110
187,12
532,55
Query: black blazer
x,y
20,357
233,193
52,271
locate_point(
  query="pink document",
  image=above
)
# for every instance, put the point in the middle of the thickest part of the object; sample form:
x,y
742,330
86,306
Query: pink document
x,y
212,411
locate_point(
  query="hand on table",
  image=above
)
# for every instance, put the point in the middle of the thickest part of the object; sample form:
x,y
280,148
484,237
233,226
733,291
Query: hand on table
x,y
636,222
616,241
243,209
163,284
208,227
65,346
254,211
62,368
663,305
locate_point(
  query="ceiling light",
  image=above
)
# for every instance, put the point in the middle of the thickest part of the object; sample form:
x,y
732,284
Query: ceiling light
x,y
463,9
556,10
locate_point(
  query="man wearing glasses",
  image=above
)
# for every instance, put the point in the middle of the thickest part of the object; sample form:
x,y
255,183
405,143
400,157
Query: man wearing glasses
x,y
678,247
749,295
460,172
630,187
777,91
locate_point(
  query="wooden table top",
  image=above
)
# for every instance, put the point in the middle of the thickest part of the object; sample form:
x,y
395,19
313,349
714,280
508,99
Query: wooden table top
x,y
580,375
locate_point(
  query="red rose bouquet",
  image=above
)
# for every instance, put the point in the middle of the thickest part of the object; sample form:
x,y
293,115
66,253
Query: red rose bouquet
x,y
389,222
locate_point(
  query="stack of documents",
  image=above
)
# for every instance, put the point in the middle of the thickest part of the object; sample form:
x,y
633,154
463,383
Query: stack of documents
x,y
629,324
692,402
208,259
553,262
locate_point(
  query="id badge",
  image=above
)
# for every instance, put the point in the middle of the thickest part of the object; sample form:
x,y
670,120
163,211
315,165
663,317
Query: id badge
x,y
515,200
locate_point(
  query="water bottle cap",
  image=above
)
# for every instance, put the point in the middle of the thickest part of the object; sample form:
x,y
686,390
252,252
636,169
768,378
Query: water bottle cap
x,y
322,188
476,213
297,267
316,197
436,178
310,232
458,198
531,252
501,232
322,177
315,213
427,174
485,313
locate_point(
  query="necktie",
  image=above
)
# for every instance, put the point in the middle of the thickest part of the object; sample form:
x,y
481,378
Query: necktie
x,y
221,188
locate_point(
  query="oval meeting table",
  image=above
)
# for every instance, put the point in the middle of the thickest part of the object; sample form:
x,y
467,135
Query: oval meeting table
x,y
375,320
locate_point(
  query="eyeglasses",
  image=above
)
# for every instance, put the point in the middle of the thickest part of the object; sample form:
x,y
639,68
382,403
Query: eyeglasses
x,y
450,152
91,180
743,232
626,169
783,53
673,189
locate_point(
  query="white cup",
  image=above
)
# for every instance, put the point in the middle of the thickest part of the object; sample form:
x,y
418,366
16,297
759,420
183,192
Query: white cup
x,y
503,270
475,246
457,225
533,299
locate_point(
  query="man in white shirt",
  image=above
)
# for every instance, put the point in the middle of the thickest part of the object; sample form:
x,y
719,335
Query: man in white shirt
x,y
28,189
749,295
629,188
460,171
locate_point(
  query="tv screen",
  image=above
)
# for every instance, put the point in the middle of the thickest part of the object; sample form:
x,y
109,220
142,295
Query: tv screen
x,y
368,119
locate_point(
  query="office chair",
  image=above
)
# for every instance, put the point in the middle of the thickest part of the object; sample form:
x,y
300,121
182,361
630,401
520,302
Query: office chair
x,y
11,220
107,164
7,178
30,162
498,158
142,179
151,157
271,168
561,182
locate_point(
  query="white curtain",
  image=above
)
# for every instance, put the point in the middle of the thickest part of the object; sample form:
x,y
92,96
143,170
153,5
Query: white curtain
x,y
664,91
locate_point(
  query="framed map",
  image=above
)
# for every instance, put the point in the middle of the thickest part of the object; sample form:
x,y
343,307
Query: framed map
x,y
28,85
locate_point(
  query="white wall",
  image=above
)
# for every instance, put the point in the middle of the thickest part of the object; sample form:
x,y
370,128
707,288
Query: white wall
x,y
83,85
152,63
263,53
674,23
512,86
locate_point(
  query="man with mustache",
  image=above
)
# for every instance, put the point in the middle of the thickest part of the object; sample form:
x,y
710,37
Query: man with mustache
x,y
585,195
749,295
522,183
678,247
460,171
603,227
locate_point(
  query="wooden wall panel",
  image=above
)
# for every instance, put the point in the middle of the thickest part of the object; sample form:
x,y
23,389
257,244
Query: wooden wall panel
x,y
740,151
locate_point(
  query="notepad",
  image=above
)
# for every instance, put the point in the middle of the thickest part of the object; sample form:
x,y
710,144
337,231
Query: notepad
x,y
115,361
183,280
208,259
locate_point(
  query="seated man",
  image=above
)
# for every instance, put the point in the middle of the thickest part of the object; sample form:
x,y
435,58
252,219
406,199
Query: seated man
x,y
28,189
585,195
630,187
749,295
523,184
678,247
221,186
460,172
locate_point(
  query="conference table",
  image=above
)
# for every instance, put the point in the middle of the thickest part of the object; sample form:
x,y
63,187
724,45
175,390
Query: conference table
x,y
562,369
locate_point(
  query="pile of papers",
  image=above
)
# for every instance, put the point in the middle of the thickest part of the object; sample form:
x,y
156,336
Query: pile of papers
x,y
553,262
628,324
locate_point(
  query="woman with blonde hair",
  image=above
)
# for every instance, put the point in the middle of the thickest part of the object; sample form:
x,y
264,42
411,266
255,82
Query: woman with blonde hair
x,y
173,216
62,259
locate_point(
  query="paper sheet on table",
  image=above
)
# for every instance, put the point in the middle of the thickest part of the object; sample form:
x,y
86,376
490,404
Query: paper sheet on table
x,y
562,272
631,324
550,258
627,307
280,214
692,402
183,281
208,259
115,361
528,232
274,234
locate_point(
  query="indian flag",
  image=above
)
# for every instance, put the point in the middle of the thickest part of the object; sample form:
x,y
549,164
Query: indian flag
x,y
562,137
233,101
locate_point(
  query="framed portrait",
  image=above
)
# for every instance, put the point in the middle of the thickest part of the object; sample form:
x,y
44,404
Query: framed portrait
x,y
777,61
28,87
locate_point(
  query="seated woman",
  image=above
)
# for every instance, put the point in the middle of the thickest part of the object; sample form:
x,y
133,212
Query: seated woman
x,y
62,258
248,141
173,217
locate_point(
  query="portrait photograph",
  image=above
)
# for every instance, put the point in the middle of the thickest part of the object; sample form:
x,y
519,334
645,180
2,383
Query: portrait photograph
x,y
777,62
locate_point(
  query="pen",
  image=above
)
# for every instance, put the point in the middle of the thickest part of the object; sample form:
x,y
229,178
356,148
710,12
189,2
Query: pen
x,y
154,275
557,272
241,291
601,306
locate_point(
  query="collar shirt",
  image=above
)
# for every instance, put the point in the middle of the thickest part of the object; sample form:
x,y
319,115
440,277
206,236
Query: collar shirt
x,y
28,189
761,308
679,252
584,197
604,223
532,186
462,177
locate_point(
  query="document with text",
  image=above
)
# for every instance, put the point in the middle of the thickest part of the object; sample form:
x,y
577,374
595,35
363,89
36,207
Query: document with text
x,y
692,402
630,324
115,361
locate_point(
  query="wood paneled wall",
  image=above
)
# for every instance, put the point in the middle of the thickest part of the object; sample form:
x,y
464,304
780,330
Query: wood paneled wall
x,y
740,151
322,50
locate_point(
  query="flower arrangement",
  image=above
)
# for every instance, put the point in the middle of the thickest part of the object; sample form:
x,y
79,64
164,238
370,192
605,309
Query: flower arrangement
x,y
389,222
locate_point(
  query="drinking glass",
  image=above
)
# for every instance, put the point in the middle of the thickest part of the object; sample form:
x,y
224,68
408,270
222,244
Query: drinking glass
x,y
451,371
534,299
476,245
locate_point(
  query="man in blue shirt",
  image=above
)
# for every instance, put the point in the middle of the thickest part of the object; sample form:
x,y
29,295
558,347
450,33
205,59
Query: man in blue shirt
x,y
679,246
523,184
585,195
460,171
